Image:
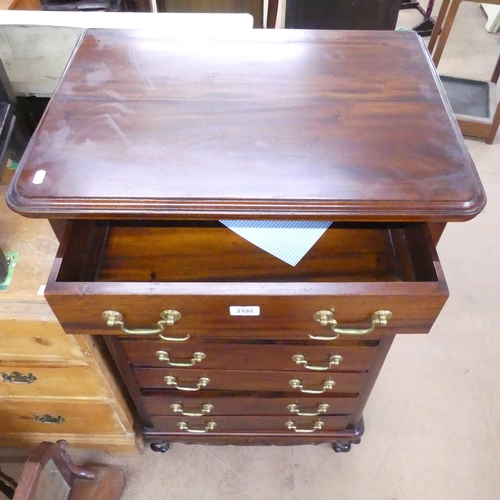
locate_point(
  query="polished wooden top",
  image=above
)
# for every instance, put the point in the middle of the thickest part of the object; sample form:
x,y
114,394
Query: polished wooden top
x,y
266,123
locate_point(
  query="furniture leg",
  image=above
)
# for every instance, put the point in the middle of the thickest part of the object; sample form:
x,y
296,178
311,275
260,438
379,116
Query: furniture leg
x,y
448,23
438,25
344,445
496,72
496,118
494,126
272,13
161,447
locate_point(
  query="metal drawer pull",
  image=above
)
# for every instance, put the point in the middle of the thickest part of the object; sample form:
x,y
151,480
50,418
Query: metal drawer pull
x,y
325,318
206,408
168,318
183,426
197,357
290,425
18,378
202,382
327,386
334,360
294,408
49,419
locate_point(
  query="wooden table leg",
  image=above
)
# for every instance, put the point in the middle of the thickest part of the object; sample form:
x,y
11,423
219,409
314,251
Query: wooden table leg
x,y
272,13
496,72
496,118
494,126
448,23
438,25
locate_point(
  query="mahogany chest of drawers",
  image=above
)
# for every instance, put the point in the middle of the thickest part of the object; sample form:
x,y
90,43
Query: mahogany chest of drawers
x,y
150,141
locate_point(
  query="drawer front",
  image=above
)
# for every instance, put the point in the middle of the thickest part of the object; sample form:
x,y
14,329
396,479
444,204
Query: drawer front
x,y
49,381
414,308
167,404
235,356
40,340
211,380
261,425
58,417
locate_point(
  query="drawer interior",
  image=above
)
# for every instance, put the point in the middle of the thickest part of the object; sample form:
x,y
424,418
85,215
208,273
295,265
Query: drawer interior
x,y
207,251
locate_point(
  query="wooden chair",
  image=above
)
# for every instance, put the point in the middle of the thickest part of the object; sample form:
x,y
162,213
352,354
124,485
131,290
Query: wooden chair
x,y
49,474
471,126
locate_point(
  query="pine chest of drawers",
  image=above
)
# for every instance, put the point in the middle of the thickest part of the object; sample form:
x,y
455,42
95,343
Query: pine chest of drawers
x,y
150,141
52,385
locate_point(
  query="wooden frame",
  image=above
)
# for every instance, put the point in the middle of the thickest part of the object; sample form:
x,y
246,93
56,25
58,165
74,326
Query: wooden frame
x,y
84,483
472,126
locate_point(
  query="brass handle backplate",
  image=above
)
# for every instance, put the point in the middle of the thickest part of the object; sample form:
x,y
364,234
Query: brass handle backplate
x,y
327,386
334,360
206,408
165,356
294,408
49,419
168,318
210,426
291,426
172,381
18,378
325,318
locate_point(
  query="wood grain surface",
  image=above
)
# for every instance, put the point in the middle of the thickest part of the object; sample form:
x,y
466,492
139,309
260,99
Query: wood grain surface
x,y
246,403
246,356
241,380
18,416
269,123
251,424
287,301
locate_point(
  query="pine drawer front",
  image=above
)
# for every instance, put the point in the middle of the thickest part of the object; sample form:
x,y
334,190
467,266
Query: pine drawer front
x,y
35,340
160,404
245,356
162,278
258,425
53,381
58,417
179,380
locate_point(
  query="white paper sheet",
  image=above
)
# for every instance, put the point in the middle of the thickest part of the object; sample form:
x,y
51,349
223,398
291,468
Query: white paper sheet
x,y
286,240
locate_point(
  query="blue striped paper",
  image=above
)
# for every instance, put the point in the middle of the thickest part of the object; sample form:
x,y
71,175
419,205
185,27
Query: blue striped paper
x,y
286,240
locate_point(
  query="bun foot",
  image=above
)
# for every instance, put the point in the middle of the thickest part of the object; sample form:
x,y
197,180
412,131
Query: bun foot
x,y
161,447
339,447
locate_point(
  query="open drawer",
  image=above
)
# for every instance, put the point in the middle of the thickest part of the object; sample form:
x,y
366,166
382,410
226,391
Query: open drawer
x,y
199,280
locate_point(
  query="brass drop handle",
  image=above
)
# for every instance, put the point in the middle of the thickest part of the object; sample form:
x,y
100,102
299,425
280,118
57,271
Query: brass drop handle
x,y
168,318
327,386
291,426
49,419
172,381
206,408
334,360
325,318
18,378
197,358
294,408
210,426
